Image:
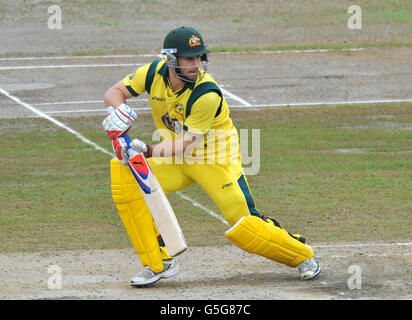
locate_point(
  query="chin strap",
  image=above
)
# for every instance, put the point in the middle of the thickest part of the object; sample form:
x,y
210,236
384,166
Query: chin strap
x,y
171,59
182,77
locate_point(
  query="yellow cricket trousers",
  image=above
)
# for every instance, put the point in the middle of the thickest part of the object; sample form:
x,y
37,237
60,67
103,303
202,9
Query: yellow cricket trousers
x,y
225,184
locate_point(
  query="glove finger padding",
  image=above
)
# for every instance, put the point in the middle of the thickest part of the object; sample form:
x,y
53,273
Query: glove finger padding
x,y
141,147
138,145
119,121
120,149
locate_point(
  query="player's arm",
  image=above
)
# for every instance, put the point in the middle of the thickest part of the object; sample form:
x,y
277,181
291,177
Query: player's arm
x,y
130,86
171,148
179,147
117,95
118,122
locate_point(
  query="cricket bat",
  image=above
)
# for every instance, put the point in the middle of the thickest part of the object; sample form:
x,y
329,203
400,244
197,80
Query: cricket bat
x,y
157,202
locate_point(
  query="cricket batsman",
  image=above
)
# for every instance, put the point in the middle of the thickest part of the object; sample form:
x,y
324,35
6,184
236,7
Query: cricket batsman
x,y
199,144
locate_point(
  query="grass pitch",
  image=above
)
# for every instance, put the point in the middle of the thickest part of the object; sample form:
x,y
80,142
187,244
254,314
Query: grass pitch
x,y
331,173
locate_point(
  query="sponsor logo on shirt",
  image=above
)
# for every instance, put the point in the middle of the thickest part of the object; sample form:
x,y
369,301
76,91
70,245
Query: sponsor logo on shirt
x,y
158,99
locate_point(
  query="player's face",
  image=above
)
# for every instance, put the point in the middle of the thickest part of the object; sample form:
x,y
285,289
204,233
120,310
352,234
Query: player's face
x,y
189,66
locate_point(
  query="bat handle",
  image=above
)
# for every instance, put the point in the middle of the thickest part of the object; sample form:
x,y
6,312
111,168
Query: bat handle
x,y
130,150
127,139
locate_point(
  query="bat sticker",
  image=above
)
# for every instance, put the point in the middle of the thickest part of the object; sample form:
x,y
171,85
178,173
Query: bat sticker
x,y
141,172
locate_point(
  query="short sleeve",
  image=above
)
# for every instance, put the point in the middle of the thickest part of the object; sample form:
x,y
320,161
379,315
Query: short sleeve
x,y
202,113
135,82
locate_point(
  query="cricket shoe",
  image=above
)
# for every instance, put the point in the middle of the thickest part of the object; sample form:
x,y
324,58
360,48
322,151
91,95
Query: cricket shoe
x,y
310,268
147,276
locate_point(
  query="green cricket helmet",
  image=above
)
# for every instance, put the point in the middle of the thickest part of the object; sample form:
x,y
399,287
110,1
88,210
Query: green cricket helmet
x,y
184,42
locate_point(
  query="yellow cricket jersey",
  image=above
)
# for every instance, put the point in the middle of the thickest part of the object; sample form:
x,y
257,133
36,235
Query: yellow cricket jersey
x,y
198,108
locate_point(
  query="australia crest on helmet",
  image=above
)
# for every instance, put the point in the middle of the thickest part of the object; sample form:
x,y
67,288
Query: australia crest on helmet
x,y
194,41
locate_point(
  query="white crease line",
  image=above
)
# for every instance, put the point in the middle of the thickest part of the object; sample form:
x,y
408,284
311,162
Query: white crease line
x,y
360,245
250,106
79,57
97,147
235,97
244,105
320,103
56,122
313,50
197,204
376,255
158,55
78,102
88,110
82,102
72,66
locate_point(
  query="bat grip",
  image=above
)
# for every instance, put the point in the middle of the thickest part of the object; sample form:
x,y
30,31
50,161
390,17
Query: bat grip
x,y
127,139
130,150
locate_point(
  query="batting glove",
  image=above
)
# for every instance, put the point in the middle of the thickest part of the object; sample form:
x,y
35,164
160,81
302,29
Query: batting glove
x,y
119,121
120,149
141,147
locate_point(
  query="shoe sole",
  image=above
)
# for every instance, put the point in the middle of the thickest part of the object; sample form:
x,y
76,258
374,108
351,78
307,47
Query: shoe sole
x,y
314,275
169,273
142,285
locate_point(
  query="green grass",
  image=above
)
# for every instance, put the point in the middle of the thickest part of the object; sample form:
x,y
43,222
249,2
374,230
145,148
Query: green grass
x,y
330,46
109,24
220,49
237,49
401,15
56,190
352,196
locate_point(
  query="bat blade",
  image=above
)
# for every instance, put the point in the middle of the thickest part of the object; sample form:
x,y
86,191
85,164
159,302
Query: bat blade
x,y
158,205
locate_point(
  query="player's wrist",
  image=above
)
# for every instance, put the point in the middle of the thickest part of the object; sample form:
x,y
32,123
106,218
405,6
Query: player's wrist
x,y
148,153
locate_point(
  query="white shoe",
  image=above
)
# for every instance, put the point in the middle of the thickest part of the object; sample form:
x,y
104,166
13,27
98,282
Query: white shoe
x,y
309,269
147,276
